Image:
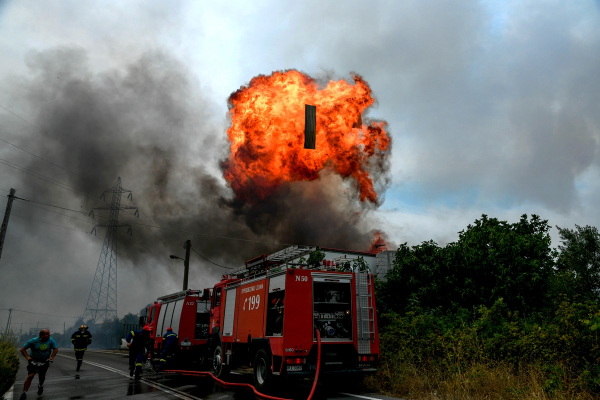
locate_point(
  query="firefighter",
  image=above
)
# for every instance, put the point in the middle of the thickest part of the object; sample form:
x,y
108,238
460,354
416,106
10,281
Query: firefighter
x,y
169,347
137,341
81,339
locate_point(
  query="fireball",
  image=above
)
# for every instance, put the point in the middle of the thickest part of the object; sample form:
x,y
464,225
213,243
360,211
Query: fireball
x,y
267,135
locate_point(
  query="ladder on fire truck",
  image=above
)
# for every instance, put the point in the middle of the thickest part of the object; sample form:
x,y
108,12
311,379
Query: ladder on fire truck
x,y
271,263
365,314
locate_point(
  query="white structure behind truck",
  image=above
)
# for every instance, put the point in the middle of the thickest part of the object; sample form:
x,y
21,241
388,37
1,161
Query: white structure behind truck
x,y
385,262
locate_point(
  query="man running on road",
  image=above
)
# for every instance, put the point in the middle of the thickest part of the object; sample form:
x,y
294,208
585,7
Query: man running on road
x,y
43,351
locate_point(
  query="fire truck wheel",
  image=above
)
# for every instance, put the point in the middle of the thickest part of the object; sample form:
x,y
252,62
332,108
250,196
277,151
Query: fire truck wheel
x,y
262,371
218,369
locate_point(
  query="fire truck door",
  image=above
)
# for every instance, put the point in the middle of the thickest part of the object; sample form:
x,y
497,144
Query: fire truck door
x,y
229,312
251,311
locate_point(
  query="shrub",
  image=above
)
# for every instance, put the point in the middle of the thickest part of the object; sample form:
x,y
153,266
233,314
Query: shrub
x,y
9,363
460,355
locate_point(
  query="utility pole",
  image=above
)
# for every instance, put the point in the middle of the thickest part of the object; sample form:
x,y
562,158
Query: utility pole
x,y
11,197
186,263
10,310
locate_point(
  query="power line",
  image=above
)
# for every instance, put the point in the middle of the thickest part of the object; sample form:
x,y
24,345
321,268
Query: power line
x,y
77,230
48,223
35,174
60,207
28,152
21,118
50,205
164,228
45,178
210,261
31,312
64,215
209,235
157,237
54,212
148,272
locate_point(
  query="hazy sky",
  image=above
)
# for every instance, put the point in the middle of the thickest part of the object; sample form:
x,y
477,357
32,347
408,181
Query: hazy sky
x,y
493,108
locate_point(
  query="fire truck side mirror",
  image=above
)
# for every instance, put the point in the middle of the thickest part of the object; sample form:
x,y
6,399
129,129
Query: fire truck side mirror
x,y
206,294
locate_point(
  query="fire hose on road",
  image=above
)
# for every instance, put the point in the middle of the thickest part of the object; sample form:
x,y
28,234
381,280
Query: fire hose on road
x,y
231,384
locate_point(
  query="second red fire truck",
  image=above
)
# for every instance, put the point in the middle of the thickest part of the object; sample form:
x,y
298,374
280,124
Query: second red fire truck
x,y
265,315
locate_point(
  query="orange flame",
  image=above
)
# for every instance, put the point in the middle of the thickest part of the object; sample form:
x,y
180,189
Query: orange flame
x,y
267,134
379,242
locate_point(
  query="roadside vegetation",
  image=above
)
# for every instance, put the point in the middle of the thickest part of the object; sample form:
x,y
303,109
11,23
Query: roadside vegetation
x,y
9,362
499,314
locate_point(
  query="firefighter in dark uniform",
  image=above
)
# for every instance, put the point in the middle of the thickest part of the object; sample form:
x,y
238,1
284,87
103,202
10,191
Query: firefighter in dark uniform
x,y
138,342
170,340
81,339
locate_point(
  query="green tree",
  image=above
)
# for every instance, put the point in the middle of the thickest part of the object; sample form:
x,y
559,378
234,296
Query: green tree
x,y
315,258
502,260
578,263
492,259
130,318
414,279
360,265
344,267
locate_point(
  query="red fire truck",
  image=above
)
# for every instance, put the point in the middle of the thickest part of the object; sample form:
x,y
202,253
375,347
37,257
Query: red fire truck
x,y
265,315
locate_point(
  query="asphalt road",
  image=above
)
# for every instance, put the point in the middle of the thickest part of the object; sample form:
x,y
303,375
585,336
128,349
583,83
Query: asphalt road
x,y
104,375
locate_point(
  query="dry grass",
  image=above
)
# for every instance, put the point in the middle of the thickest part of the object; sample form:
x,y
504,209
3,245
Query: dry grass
x,y
499,381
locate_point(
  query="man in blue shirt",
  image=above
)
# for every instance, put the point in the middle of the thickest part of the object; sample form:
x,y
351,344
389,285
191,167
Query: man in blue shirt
x,y
43,349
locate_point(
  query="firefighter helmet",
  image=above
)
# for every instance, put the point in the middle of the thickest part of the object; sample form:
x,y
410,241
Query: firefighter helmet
x,y
147,328
83,327
169,329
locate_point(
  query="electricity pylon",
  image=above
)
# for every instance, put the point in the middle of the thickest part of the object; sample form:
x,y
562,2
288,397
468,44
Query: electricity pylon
x,y
102,301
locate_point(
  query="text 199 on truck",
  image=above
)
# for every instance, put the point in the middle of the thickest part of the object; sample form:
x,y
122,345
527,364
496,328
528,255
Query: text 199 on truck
x,y
265,315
